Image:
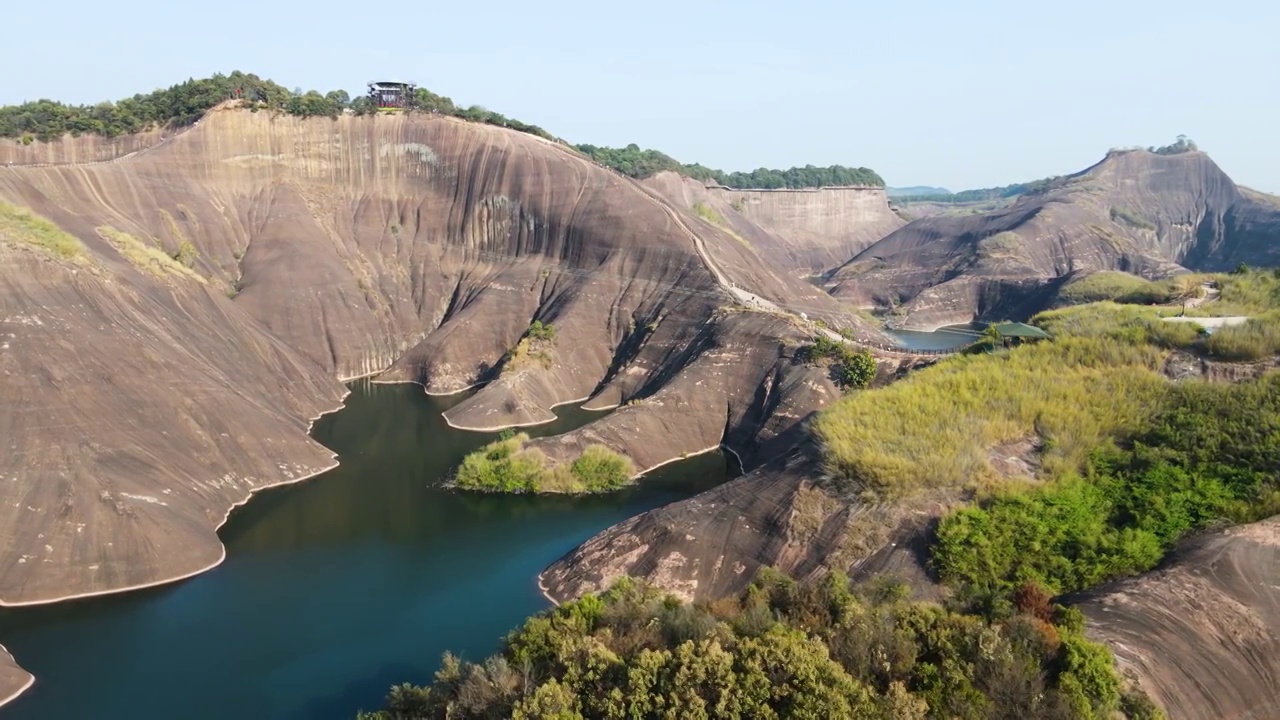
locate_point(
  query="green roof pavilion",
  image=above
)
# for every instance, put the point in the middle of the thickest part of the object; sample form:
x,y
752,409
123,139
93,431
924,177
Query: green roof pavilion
x,y
1022,331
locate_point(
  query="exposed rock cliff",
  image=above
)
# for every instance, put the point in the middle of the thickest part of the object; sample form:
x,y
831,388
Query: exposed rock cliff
x,y
807,230
1135,211
1201,635
145,404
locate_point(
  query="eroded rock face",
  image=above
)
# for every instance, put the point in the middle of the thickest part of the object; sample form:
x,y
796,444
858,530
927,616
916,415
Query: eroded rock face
x,y
805,230
1147,214
1202,633
142,406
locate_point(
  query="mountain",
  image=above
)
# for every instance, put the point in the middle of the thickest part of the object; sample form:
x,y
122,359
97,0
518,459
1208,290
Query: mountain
x,y
1142,212
916,190
179,305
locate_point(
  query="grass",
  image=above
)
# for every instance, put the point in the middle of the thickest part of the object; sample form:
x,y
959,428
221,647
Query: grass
x,y
20,225
146,257
507,466
1129,324
711,215
1256,339
1000,244
936,428
1117,286
1252,293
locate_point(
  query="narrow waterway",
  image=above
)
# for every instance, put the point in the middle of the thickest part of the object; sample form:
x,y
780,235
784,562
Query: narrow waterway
x,y
333,589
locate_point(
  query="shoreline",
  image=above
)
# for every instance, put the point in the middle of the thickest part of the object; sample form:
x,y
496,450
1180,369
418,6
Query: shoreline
x,y
222,552
541,576
31,679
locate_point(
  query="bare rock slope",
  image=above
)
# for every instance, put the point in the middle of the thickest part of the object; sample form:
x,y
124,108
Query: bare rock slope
x,y
1135,211
145,398
1201,635
807,230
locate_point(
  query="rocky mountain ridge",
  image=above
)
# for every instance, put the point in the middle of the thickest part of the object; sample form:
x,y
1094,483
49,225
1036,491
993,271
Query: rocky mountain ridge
x,y
1141,212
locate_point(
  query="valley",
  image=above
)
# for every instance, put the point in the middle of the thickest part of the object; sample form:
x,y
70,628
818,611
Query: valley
x,y
185,310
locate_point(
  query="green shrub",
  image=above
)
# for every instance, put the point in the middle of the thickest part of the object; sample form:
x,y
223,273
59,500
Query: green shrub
x,y
850,368
599,469
502,466
507,466
1209,454
779,649
544,332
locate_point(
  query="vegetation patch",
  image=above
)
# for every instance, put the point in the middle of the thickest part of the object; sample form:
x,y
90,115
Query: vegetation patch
x,y
936,427
1210,454
634,162
1000,245
535,347
708,213
779,650
147,257
1118,287
507,466
850,368
21,226
1130,218
1256,339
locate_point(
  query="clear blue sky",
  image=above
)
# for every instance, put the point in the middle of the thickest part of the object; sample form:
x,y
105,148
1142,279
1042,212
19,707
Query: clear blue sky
x,y
960,94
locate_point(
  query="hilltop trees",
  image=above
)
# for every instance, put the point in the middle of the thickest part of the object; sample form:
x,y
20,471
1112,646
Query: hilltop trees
x,y
187,102
635,162
180,104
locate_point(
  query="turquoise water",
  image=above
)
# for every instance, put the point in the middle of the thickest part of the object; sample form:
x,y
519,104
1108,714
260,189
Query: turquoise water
x,y
944,338
333,589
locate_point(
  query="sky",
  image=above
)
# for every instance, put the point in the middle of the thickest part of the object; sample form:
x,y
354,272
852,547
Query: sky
x,y
959,95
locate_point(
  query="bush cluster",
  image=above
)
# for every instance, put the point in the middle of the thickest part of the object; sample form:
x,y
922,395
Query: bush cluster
x,y
507,466
850,368
779,650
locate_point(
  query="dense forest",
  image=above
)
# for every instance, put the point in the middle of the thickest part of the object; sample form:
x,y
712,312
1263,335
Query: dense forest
x,y
635,162
781,650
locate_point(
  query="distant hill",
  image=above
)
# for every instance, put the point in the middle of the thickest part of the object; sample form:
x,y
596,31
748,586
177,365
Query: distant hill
x,y
896,192
1149,212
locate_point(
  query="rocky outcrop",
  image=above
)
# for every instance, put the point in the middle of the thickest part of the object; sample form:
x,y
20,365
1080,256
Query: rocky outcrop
x,y
807,230
1136,211
1201,634
779,515
13,679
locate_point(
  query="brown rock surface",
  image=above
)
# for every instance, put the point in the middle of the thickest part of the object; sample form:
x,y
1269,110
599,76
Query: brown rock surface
x,y
1135,211
713,544
418,248
808,230
1201,634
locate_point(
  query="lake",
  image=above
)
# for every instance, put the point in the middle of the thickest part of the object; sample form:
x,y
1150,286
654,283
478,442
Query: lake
x,y
333,589
944,338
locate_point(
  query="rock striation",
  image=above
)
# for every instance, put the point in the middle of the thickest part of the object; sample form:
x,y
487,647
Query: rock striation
x,y
144,403
1135,211
807,230
1201,634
